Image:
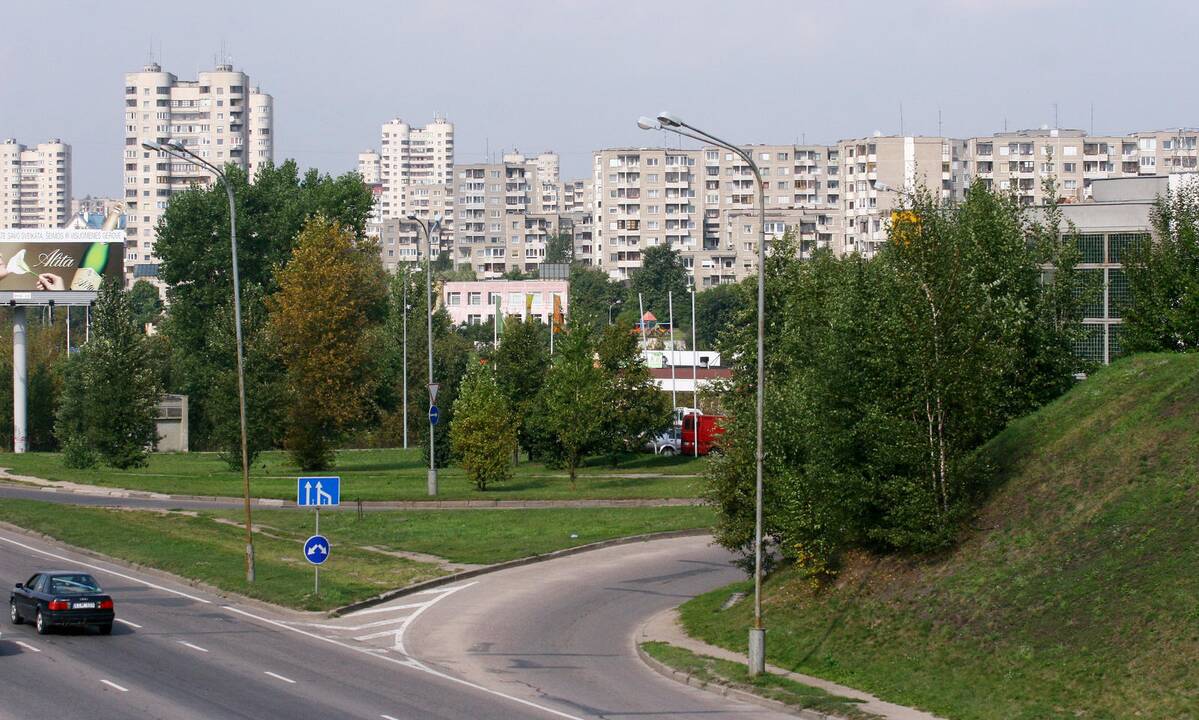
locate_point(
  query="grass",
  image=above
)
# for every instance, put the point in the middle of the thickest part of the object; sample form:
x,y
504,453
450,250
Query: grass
x,y
196,546
713,670
392,474
1074,595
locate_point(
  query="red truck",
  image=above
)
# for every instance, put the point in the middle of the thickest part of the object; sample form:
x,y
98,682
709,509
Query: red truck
x,y
711,427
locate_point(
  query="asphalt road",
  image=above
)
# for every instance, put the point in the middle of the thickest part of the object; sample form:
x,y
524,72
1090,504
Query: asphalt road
x,y
562,632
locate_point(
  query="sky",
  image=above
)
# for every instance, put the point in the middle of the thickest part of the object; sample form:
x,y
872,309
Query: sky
x,y
573,75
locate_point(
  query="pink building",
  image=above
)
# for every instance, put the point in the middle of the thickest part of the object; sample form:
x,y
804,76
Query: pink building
x,y
474,301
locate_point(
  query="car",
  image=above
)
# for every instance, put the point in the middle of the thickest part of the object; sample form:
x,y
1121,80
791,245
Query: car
x,y
60,598
668,443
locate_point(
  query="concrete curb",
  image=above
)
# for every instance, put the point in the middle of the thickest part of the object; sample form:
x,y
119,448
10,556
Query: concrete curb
x,y
519,562
728,691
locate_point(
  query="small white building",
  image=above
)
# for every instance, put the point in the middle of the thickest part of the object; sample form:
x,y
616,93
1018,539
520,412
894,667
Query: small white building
x,y
474,301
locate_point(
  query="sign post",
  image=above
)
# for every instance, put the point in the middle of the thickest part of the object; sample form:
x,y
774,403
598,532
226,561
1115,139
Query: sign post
x,y
314,492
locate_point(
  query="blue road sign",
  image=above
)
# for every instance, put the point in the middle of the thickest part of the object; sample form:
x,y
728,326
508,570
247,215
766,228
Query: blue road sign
x,y
316,549
316,491
433,415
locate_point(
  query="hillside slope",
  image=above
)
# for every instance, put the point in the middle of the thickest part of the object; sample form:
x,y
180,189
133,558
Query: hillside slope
x,y
1075,595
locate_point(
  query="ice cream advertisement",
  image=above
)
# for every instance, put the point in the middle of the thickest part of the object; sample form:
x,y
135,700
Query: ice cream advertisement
x,y
59,260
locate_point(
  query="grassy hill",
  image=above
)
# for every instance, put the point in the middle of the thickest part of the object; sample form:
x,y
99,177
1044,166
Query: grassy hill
x,y
1074,595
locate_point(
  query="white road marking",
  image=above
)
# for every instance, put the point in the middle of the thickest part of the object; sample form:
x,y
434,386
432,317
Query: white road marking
x,y
377,623
410,663
278,677
389,608
27,646
105,570
388,717
111,684
130,624
193,647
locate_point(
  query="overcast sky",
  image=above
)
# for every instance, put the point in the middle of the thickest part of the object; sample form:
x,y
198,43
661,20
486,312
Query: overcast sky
x,y
573,76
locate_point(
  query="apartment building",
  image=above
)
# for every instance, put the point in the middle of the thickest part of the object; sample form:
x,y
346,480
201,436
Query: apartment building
x,y
369,167
219,116
416,169
502,221
35,185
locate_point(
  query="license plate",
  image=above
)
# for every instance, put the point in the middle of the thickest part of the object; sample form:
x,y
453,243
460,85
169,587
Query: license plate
x,y
84,606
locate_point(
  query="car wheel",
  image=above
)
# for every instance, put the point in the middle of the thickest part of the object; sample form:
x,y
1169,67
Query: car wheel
x,y
40,624
668,450
105,629
13,614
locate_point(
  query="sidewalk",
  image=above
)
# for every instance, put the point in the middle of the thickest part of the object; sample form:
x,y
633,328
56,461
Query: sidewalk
x,y
665,627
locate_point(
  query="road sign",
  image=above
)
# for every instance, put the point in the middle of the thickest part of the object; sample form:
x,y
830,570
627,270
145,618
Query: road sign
x,y
316,549
434,413
318,491
433,388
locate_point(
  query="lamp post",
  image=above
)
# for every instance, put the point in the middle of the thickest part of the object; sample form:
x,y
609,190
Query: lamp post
x,y
432,481
676,125
405,368
611,305
179,151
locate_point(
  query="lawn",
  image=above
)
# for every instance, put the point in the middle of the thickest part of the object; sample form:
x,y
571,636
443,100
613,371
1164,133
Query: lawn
x,y
196,546
785,690
1073,594
392,474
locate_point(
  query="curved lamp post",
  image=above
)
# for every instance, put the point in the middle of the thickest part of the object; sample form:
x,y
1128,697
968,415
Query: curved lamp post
x,y
180,152
429,229
672,123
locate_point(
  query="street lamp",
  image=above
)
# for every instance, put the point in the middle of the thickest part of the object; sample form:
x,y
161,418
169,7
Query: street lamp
x,y
615,303
432,482
675,124
179,151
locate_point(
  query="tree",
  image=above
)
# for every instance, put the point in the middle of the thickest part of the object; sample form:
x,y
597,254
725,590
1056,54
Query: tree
x,y
661,272
111,386
572,409
193,244
593,295
484,430
147,304
715,309
332,295
636,409
1163,278
560,248
521,362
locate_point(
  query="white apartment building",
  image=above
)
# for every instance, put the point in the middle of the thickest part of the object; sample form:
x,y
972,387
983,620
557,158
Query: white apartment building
x,y
369,167
218,116
502,220
35,185
416,170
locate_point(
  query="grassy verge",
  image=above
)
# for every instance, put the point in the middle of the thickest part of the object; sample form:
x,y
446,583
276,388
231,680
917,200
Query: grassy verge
x,y
1073,595
722,672
392,474
197,547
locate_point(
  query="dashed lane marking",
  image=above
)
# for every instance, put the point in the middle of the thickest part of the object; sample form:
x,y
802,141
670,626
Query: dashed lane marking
x,y
130,624
193,647
27,646
111,684
278,677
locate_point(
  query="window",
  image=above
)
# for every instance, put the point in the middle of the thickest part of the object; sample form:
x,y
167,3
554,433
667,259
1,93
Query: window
x,y
454,298
1070,150
474,298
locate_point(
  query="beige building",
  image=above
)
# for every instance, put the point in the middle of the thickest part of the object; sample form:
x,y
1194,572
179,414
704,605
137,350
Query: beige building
x,y
502,221
416,169
219,116
35,185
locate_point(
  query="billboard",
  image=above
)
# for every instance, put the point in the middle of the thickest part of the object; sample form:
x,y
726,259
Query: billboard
x,y
59,260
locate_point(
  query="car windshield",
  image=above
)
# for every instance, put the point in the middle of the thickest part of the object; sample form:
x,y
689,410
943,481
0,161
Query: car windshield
x,y
73,585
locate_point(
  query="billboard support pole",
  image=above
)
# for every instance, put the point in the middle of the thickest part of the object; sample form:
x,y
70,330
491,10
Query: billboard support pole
x,y
20,379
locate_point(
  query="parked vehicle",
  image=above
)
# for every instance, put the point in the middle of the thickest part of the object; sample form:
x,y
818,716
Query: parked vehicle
x,y
668,443
710,428
682,412
58,598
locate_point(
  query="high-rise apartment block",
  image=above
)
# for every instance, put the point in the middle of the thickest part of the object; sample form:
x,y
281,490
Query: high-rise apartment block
x,y
35,185
503,219
219,116
416,169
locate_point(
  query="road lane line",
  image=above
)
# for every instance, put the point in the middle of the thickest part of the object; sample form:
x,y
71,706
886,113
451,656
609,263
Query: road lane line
x,y
114,685
97,568
278,677
130,624
366,626
388,717
193,647
389,608
409,663
27,646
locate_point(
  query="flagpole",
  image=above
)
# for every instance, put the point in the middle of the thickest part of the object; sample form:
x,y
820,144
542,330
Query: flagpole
x,y
641,319
674,400
694,360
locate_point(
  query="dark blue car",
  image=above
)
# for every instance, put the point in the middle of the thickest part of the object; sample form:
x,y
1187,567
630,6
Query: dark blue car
x,y
60,598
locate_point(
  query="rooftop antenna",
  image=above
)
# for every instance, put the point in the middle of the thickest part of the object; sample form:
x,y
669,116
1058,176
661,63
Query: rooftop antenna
x,y
939,133
1055,117
901,118
1092,118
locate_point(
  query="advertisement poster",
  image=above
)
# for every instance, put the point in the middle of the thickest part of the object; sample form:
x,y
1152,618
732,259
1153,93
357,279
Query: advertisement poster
x,y
59,260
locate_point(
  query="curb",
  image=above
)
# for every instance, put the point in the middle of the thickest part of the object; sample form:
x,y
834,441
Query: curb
x,y
728,691
519,562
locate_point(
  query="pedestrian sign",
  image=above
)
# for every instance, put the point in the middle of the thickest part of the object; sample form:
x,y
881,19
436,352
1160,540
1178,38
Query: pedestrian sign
x,y
434,413
318,491
316,549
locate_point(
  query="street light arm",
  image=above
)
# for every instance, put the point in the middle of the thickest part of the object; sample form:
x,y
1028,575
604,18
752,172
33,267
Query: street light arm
x,y
703,137
180,147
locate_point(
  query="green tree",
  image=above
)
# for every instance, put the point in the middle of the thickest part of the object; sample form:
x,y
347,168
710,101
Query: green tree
x,y
560,248
521,362
661,273
484,429
111,386
147,305
193,244
593,295
572,409
715,310
636,409
332,295
1163,278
